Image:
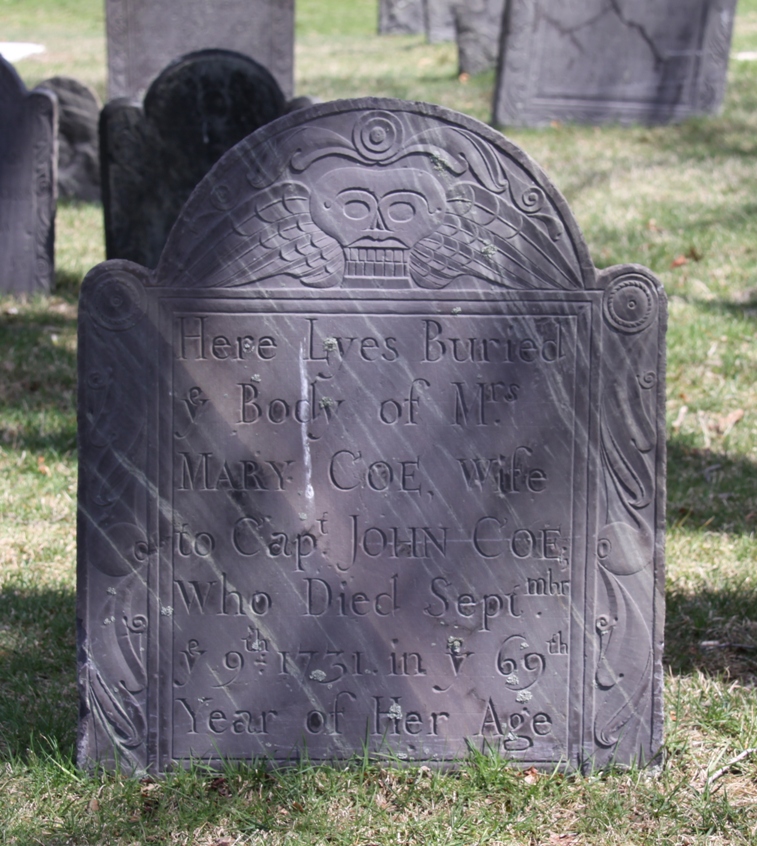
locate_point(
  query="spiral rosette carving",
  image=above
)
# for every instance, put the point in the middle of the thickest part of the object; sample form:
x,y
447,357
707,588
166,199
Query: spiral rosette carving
x,y
647,380
118,302
223,197
378,136
531,201
630,304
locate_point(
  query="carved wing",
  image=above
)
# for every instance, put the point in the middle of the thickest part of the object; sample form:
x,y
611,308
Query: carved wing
x,y
490,236
271,234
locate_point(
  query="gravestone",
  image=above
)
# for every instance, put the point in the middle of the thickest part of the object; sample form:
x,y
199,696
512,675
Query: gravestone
x,y
401,17
154,155
145,35
478,25
28,122
78,146
372,461
440,20
648,61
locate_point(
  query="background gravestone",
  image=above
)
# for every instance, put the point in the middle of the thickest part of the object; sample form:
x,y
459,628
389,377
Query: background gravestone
x,y
478,26
401,17
27,185
153,156
440,20
78,146
145,35
648,61
372,462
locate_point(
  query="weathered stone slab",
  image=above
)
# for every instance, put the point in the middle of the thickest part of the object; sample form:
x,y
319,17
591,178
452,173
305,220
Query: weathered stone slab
x,y
153,156
650,61
78,145
478,25
28,121
401,17
145,35
374,459
440,21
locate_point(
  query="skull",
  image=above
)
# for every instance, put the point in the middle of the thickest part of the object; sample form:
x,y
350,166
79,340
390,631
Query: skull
x,y
377,215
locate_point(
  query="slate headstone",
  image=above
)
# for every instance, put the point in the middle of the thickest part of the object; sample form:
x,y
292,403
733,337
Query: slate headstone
x,y
624,61
154,155
401,17
372,461
28,121
78,146
440,20
478,25
145,35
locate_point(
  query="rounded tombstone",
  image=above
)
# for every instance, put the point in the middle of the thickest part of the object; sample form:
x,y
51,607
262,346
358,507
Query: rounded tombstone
x,y
203,104
78,146
196,109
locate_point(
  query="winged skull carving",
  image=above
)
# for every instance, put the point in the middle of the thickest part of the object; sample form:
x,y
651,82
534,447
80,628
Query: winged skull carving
x,y
342,213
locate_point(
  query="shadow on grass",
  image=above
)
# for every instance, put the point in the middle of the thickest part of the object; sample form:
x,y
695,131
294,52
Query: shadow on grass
x,y
38,380
708,490
38,702
713,630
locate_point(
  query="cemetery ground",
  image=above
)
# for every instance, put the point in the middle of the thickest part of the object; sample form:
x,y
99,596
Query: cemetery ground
x,y
683,201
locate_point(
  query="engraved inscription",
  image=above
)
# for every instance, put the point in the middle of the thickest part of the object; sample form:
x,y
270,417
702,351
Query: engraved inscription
x,y
316,517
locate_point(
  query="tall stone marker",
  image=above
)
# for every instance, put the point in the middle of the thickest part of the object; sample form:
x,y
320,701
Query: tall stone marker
x,y
78,145
440,20
625,61
401,17
478,26
153,156
145,35
373,460
28,126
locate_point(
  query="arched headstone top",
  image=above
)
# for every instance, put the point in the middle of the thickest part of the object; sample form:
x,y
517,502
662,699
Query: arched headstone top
x,y
11,86
14,94
154,154
210,96
78,145
377,193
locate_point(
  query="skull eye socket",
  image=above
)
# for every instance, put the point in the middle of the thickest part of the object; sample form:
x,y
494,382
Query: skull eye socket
x,y
357,209
401,212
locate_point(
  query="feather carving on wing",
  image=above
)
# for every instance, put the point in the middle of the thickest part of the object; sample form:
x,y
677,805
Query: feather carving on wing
x,y
486,236
271,234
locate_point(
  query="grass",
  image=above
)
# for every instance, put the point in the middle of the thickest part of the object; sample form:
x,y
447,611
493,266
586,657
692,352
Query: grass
x,y
680,199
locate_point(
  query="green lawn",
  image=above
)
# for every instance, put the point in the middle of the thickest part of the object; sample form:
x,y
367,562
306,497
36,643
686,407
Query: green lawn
x,y
681,200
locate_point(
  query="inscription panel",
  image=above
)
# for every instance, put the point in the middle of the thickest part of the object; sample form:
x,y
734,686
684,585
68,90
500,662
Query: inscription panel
x,y
371,462
394,486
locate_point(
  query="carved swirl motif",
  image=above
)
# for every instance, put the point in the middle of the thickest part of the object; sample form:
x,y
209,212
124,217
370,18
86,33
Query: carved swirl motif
x,y
630,304
532,200
222,197
118,302
647,381
377,135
